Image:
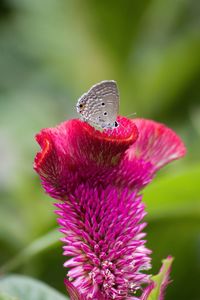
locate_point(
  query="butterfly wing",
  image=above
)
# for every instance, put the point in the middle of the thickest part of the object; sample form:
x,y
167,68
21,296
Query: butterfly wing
x,y
100,105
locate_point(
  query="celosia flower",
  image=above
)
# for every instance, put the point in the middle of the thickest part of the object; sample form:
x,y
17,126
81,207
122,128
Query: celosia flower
x,y
98,177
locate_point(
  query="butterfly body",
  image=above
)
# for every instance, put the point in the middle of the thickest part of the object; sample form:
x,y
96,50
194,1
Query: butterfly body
x,y
100,105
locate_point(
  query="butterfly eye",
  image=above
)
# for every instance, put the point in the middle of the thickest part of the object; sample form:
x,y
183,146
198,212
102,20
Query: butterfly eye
x,y
81,105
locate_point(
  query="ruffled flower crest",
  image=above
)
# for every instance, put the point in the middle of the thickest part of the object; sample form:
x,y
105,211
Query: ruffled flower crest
x,y
98,177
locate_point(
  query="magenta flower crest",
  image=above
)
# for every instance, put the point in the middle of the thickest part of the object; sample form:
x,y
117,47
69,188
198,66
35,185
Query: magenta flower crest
x,y
98,177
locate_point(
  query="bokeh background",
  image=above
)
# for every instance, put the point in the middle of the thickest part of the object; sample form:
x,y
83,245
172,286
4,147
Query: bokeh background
x,y
52,51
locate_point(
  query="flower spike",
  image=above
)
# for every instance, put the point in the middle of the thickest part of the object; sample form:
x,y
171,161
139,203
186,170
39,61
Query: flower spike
x,y
98,178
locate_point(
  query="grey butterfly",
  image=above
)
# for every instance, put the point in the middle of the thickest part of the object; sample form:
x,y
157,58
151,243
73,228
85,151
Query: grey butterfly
x,y
100,105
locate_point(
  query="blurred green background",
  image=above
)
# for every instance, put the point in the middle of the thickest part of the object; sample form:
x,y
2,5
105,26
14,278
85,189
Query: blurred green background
x,y
52,51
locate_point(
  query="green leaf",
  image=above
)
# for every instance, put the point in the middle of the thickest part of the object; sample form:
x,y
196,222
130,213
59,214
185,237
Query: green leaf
x,y
7,297
161,280
174,196
26,288
37,246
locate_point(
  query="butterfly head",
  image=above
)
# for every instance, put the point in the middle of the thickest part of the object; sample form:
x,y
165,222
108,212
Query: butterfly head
x,y
81,105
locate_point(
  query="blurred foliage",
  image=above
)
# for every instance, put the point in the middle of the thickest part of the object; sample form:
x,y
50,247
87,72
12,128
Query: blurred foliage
x,y
50,53
27,288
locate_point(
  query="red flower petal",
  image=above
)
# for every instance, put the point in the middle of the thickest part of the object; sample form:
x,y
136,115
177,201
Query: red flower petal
x,y
74,151
156,144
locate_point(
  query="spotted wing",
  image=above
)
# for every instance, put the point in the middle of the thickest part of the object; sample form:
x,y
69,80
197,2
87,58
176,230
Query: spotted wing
x,y
100,105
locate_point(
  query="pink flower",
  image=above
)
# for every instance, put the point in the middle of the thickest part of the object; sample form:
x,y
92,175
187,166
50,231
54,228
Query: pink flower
x,y
98,177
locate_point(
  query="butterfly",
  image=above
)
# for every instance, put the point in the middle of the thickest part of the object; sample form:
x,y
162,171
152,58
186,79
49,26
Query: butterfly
x,y
100,105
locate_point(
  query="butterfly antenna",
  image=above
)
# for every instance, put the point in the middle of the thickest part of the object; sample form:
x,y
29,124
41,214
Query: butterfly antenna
x,y
131,115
